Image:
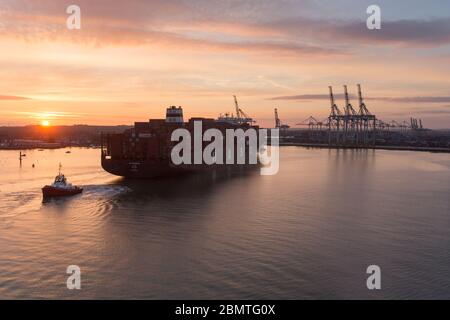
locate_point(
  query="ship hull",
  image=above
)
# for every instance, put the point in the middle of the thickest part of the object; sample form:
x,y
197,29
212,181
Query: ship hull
x,y
150,169
49,191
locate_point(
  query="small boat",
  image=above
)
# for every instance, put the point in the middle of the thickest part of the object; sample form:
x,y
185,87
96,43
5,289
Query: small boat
x,y
60,187
68,151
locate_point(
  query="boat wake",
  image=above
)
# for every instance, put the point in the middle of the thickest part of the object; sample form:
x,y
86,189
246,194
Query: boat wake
x,y
96,200
14,204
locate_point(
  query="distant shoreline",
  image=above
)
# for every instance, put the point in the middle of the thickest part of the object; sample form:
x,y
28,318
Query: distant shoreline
x,y
48,148
392,148
282,144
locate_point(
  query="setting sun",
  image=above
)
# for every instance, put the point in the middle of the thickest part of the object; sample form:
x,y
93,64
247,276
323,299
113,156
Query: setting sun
x,y
45,123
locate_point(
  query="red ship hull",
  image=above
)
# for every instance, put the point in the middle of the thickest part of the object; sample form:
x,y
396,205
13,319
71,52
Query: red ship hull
x,y
49,191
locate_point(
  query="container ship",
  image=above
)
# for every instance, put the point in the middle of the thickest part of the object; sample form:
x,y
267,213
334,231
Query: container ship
x,y
144,151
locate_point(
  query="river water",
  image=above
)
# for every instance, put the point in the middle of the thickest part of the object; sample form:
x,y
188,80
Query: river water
x,y
309,232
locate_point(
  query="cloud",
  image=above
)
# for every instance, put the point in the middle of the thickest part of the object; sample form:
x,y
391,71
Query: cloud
x,y
435,112
425,99
232,25
428,99
308,97
430,32
7,97
285,17
119,25
402,32
49,115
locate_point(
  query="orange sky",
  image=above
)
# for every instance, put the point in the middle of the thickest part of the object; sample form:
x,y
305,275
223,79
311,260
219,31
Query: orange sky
x,y
131,60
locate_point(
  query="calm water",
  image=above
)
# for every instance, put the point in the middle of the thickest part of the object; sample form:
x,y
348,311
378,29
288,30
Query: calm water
x,y
307,233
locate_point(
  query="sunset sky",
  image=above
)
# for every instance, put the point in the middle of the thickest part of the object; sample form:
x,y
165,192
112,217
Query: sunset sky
x,y
131,59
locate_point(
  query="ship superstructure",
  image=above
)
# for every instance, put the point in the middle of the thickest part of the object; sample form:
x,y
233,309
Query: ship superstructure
x,y
144,151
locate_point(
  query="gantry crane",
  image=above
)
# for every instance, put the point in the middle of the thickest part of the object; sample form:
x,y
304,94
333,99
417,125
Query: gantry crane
x,y
278,123
241,116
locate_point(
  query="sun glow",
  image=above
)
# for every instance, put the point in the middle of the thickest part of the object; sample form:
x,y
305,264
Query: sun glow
x,y
45,123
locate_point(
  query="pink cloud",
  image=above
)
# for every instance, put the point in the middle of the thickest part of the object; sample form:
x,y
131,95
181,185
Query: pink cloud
x,y
7,97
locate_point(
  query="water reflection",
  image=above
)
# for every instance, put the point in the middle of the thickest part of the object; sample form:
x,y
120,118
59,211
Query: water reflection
x,y
308,232
180,187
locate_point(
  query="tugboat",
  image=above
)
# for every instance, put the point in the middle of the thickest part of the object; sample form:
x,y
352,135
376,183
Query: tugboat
x,y
60,187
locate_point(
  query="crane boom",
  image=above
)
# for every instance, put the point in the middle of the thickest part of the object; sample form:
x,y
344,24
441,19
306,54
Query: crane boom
x,y
334,108
278,123
238,110
362,106
277,119
348,107
361,102
331,96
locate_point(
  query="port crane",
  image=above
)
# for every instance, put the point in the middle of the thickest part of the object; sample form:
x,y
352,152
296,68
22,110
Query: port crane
x,y
355,126
312,123
363,111
334,108
350,127
416,124
278,123
349,111
241,116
